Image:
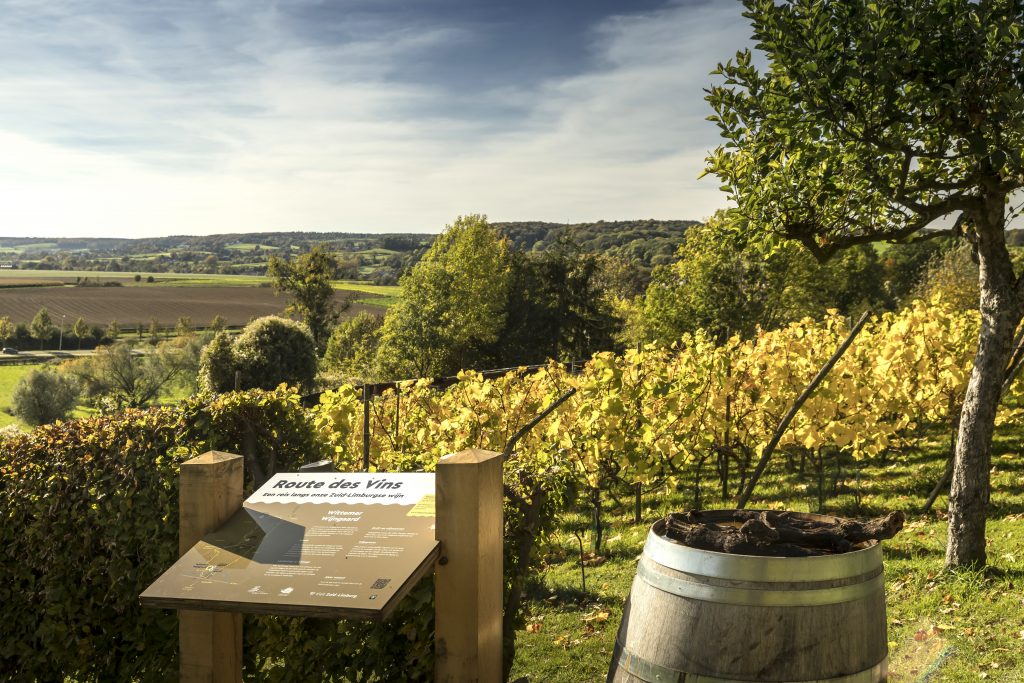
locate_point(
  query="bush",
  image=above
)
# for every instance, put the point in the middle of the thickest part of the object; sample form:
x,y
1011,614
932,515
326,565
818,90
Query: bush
x,y
269,351
273,350
353,345
89,517
88,514
217,365
43,396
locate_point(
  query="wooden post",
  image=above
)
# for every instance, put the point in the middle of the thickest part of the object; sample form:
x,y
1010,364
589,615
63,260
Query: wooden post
x,y
468,579
211,642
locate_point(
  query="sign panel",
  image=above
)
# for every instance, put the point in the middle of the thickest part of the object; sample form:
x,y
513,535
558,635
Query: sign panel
x,y
337,545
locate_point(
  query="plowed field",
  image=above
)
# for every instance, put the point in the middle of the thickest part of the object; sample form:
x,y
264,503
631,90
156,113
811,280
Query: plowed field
x,y
133,305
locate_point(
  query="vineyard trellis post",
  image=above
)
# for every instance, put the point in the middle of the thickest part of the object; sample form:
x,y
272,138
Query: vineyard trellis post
x,y
804,395
366,428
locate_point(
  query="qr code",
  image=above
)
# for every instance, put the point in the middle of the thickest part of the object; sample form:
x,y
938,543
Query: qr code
x,y
380,583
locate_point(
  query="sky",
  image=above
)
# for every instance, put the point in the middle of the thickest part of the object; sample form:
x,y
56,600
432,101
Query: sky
x,y
134,119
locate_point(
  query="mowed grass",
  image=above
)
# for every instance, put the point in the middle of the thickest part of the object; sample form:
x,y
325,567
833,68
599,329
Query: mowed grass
x,y
9,377
367,288
943,626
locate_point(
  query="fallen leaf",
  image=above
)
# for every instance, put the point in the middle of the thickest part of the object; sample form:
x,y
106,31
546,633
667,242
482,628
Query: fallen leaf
x,y
535,627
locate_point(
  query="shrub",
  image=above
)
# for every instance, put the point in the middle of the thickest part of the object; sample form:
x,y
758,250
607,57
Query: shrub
x,y
353,345
44,396
217,365
269,351
273,350
89,517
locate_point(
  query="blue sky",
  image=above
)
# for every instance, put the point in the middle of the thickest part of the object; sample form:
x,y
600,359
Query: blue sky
x,y
152,118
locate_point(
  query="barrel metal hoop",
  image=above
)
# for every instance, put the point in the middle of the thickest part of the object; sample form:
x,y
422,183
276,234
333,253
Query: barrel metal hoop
x,y
754,568
673,585
650,672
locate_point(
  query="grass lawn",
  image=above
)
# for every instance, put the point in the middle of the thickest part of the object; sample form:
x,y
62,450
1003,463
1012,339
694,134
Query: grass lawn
x,y
942,627
9,376
367,288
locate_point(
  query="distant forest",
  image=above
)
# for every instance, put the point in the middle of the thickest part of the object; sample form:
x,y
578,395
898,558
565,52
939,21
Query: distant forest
x,y
378,258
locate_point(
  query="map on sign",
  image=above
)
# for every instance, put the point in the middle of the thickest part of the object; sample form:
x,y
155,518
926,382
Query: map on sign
x,y
336,545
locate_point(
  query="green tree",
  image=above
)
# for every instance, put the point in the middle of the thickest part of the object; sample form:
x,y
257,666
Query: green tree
x,y
184,326
41,327
307,280
118,376
6,329
154,331
43,396
911,112
452,305
353,346
268,352
218,323
81,330
727,281
113,331
952,276
557,307
217,365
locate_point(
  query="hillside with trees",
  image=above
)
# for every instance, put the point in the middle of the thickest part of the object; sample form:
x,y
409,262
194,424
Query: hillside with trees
x,y
379,258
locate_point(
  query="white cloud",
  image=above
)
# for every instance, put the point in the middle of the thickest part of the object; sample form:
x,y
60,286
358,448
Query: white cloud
x,y
238,124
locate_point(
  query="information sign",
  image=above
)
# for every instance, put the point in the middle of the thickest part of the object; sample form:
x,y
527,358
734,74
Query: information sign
x,y
336,545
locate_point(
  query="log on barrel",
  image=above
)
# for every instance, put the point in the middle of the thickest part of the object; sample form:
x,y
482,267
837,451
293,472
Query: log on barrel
x,y
778,534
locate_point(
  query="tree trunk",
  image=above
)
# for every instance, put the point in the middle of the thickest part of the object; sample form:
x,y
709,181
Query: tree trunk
x,y
1000,313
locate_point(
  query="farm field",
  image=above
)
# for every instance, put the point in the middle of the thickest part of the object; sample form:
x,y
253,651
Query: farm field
x,y
943,627
43,277
132,305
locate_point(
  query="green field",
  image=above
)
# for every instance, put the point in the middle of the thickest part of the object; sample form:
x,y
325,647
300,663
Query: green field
x,y
249,246
9,376
184,280
966,626
35,246
367,288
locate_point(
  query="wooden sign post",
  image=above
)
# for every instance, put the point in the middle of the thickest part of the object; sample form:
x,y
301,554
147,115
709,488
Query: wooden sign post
x,y
468,580
338,546
210,493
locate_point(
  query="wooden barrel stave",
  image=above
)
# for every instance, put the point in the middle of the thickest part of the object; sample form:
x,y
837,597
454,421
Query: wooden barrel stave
x,y
691,627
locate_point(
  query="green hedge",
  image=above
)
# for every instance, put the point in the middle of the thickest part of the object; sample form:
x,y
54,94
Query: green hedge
x,y
89,518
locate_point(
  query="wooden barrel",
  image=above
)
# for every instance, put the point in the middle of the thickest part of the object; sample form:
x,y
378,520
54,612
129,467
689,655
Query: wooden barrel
x,y
699,616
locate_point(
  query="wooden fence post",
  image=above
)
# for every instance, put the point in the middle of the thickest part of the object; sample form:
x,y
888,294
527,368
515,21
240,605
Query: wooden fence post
x,y
468,578
211,642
